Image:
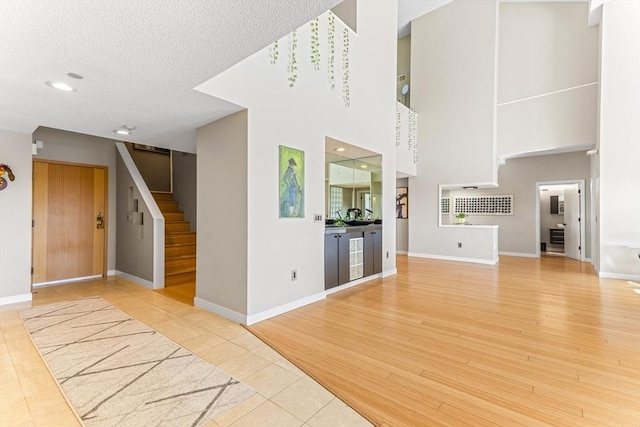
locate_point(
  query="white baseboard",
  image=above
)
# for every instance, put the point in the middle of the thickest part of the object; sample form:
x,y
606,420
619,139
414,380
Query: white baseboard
x,y
519,254
220,310
391,272
452,258
63,281
112,272
606,275
352,284
15,299
272,312
402,252
136,279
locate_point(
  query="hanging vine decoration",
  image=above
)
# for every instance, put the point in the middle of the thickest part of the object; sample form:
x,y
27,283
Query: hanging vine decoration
x,y
413,137
315,44
397,126
346,96
293,64
331,43
273,52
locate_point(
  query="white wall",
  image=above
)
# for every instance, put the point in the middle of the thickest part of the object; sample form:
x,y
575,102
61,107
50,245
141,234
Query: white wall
x,y
301,117
545,47
453,56
15,219
404,67
619,140
547,78
74,147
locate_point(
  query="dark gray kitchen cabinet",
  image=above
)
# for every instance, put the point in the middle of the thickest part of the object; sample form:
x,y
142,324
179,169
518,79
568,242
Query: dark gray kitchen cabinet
x,y
372,252
336,259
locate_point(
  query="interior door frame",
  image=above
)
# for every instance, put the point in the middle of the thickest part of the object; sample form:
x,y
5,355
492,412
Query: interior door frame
x,y
581,186
106,210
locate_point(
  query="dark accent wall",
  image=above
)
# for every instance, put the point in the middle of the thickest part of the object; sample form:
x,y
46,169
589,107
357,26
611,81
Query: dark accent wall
x,y
154,167
184,185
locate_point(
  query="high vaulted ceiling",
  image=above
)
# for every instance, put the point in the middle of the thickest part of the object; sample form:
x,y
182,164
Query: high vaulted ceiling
x,y
140,60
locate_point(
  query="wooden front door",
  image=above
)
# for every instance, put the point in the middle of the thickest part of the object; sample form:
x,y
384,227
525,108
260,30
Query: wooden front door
x,y
68,240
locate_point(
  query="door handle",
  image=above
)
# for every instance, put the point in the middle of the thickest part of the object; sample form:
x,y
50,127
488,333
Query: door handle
x,y
99,221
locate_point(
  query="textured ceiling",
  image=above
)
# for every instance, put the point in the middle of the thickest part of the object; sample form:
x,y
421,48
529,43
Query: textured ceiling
x,y
140,61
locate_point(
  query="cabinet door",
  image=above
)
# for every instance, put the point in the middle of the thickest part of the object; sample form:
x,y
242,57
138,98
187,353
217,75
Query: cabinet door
x,y
372,252
553,204
331,260
368,253
377,252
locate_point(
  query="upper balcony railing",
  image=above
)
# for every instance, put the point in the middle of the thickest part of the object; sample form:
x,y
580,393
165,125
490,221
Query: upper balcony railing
x,y
406,141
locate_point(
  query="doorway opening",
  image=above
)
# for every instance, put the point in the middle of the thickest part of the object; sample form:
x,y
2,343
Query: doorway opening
x,y
560,225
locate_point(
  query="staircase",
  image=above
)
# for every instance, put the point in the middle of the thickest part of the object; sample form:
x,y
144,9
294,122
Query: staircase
x,y
179,244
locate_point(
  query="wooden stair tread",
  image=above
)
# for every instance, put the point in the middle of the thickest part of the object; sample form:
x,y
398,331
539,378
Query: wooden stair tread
x,y
180,243
181,257
162,196
180,271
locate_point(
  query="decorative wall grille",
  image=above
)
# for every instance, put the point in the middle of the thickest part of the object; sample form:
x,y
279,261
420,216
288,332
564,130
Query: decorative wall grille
x,y
484,205
445,205
356,258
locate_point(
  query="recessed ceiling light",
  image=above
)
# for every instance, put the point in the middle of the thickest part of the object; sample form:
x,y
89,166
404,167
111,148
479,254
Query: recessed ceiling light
x,y
363,166
75,76
340,149
61,86
125,130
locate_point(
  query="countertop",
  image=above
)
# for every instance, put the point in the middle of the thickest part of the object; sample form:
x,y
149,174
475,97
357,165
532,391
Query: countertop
x,y
332,229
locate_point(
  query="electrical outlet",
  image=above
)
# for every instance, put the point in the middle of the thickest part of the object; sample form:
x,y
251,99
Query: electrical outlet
x,y
459,244
294,275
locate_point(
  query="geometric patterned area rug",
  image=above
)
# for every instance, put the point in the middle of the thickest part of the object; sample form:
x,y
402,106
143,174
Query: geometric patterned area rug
x,y
117,371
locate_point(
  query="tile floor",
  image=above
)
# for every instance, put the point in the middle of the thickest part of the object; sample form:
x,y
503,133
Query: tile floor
x,y
285,396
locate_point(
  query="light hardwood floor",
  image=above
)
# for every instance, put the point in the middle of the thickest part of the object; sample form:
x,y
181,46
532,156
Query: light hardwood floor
x,y
184,293
527,342
285,396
